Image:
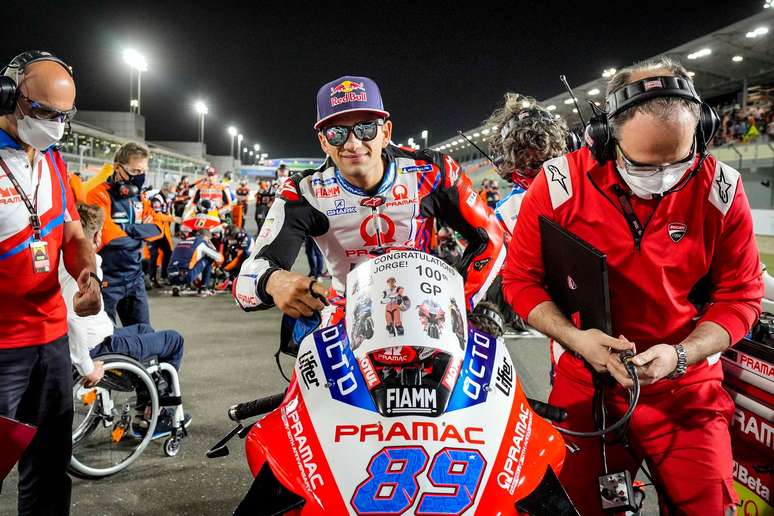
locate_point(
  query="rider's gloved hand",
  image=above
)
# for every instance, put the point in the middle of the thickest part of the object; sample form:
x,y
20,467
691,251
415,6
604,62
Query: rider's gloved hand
x,y
291,293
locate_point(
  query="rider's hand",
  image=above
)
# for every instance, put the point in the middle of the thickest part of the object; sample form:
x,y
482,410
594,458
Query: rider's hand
x,y
596,346
93,378
88,299
291,293
655,363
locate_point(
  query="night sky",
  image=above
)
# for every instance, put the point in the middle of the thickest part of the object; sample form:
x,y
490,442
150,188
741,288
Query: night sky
x,y
440,66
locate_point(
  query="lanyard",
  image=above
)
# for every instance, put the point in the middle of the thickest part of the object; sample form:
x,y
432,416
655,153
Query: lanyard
x,y
31,205
635,226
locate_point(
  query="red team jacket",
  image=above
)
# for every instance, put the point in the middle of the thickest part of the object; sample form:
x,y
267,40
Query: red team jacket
x,y
33,310
704,229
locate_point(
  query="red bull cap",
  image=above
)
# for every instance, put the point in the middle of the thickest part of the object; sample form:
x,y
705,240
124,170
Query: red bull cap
x,y
346,94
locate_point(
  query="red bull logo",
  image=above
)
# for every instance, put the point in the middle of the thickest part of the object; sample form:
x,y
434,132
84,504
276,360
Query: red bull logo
x,y
345,92
347,87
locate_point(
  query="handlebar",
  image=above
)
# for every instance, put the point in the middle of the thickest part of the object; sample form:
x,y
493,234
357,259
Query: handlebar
x,y
546,411
254,408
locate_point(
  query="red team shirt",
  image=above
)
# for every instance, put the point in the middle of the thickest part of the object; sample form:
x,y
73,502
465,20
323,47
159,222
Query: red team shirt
x,y
704,229
33,311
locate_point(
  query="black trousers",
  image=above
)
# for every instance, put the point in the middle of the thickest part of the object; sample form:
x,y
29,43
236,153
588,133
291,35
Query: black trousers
x,y
162,245
36,388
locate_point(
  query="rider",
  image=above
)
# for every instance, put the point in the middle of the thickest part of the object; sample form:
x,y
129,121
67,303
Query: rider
x,y
669,217
396,302
214,191
363,166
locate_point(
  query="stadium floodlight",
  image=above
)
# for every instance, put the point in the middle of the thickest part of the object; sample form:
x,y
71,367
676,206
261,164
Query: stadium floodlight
x,y
568,101
758,31
574,110
767,4
592,92
608,72
201,109
136,61
232,131
485,131
552,107
411,142
704,52
251,153
476,135
257,147
245,150
266,155
425,134
737,59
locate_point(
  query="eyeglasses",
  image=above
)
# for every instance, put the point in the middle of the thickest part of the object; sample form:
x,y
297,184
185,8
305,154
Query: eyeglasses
x,y
337,135
132,171
40,111
530,169
644,170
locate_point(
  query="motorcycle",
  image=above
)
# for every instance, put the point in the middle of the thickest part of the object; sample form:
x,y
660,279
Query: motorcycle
x,y
396,426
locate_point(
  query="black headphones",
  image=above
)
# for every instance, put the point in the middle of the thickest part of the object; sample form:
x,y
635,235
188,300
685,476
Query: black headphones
x,y
9,77
599,134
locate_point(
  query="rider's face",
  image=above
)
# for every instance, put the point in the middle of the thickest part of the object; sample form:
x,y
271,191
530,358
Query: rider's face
x,y
357,159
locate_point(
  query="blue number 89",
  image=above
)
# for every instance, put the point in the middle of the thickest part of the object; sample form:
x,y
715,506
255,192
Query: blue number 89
x,y
456,468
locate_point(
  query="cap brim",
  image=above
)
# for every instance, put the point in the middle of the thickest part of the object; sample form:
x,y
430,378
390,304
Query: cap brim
x,y
379,112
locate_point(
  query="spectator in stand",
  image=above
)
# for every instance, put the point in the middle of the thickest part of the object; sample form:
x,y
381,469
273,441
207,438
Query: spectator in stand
x,y
35,370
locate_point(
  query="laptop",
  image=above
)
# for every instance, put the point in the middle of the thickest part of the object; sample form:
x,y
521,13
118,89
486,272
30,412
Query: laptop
x,y
576,277
14,439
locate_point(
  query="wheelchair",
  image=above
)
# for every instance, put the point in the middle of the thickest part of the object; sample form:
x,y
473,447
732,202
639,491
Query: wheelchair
x,y
106,435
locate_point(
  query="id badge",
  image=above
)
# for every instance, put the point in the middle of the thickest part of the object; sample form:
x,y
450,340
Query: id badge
x,y
40,262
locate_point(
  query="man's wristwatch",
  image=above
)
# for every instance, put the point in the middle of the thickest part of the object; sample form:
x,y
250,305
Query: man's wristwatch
x,y
682,364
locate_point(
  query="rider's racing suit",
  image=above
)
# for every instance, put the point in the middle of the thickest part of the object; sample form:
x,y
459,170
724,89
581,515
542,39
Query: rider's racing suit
x,y
417,186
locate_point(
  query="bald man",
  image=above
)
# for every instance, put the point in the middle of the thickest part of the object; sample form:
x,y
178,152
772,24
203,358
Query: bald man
x,y
38,225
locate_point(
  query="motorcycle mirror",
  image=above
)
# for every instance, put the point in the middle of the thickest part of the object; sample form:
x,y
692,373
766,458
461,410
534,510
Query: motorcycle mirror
x,y
220,451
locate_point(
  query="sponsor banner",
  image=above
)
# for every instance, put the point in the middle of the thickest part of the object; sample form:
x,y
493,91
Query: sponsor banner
x,y
409,298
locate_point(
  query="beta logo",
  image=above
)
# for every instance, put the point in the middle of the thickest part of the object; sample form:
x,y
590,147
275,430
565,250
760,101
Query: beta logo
x,y
676,231
414,400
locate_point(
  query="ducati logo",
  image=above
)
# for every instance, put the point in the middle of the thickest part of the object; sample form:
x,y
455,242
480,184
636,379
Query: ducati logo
x,y
369,233
676,231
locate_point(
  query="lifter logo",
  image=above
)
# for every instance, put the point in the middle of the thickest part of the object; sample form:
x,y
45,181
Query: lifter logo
x,y
307,365
677,231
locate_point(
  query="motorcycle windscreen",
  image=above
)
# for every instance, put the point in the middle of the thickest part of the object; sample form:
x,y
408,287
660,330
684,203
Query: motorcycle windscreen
x,y
406,298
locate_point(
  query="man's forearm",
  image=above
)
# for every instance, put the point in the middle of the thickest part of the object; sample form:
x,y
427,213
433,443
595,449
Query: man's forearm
x,y
78,254
705,340
549,320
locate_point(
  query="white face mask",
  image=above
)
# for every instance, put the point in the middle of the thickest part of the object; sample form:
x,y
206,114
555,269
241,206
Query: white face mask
x,y
657,184
40,134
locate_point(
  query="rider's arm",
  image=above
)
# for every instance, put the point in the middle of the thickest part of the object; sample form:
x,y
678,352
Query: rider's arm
x,y
735,279
289,220
456,203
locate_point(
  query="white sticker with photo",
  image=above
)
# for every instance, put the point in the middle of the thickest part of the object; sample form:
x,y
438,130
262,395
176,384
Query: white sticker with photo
x,y
406,298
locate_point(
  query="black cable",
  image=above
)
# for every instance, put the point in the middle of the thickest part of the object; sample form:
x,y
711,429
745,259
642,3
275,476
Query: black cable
x,y
634,398
279,366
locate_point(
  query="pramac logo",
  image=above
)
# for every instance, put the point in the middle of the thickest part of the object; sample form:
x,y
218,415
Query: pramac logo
x,y
369,233
400,192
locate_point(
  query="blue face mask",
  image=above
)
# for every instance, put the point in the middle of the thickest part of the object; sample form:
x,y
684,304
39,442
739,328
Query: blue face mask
x,y
137,180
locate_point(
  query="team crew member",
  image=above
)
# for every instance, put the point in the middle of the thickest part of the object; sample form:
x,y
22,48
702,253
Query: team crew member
x,y
264,197
242,195
182,197
666,214
237,249
528,135
38,224
415,186
162,205
192,262
128,223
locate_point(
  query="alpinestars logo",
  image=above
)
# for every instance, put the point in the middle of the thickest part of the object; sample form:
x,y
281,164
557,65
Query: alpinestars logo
x,y
723,187
558,177
677,231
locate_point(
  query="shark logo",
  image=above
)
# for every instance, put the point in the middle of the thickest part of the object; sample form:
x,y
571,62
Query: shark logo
x,y
558,177
723,187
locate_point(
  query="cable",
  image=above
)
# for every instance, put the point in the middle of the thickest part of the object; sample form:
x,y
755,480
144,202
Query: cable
x,y
634,398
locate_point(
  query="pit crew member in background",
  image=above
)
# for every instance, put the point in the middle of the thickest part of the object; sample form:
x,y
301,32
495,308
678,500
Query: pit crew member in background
x,y
667,215
182,196
264,197
128,224
162,204
237,245
242,194
354,130
192,262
